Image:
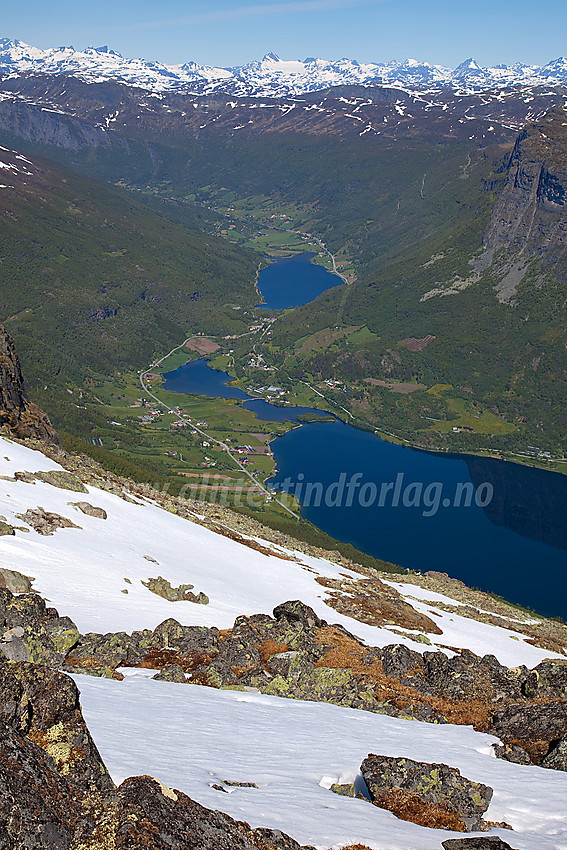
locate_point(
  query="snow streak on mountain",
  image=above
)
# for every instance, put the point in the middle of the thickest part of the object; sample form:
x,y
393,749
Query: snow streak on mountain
x,y
270,77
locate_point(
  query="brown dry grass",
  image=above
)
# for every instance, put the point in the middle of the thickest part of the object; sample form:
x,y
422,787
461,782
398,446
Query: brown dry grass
x,y
158,659
370,601
407,805
357,847
537,750
269,647
347,653
251,543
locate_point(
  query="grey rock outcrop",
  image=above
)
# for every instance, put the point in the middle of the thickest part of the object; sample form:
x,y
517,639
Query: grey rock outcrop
x,y
529,217
429,794
184,593
30,631
20,417
556,759
45,522
90,510
487,842
535,727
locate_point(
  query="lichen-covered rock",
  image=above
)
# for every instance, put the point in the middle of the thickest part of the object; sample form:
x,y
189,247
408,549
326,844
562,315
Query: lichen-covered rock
x,y
343,790
14,581
169,643
151,815
466,677
486,842
434,795
173,673
535,727
161,587
90,510
94,651
6,530
556,759
44,706
33,632
62,479
297,612
512,753
551,678
45,522
37,804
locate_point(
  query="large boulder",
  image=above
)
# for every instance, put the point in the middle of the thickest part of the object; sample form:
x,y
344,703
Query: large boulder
x,y
14,581
152,815
161,587
296,611
556,759
43,706
30,631
486,842
535,727
552,678
433,795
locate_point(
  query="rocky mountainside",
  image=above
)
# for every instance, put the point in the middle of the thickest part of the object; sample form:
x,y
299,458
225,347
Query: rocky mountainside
x,y
529,216
73,114
271,76
18,415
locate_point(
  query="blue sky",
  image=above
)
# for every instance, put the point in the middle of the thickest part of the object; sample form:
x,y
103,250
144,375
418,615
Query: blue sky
x,y
233,32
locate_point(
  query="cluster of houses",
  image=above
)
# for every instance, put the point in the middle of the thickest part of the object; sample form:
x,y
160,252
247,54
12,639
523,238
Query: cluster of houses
x,y
539,451
335,385
270,392
152,415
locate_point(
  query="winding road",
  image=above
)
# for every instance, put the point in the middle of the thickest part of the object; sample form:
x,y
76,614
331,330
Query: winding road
x,y
185,418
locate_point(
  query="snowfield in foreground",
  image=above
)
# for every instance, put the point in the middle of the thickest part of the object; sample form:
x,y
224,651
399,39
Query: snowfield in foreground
x,y
85,571
192,737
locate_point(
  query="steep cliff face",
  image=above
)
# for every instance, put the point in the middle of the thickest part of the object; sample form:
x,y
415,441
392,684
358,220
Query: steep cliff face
x,y
19,416
530,216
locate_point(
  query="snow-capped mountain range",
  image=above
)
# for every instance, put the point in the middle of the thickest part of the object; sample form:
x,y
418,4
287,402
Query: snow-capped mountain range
x,y
271,76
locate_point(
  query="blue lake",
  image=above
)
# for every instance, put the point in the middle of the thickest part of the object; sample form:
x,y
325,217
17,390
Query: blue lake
x,y
497,526
292,281
198,377
494,525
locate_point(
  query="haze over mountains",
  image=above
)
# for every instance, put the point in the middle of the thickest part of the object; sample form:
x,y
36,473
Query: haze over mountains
x,y
272,76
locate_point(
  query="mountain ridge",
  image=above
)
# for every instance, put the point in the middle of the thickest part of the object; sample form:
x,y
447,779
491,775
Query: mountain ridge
x,y
271,76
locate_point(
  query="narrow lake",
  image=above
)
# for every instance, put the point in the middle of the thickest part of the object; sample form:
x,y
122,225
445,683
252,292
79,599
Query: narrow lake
x,y
292,281
198,377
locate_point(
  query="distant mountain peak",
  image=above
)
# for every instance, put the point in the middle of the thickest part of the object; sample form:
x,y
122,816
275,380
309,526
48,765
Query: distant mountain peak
x,y
105,49
469,65
270,77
